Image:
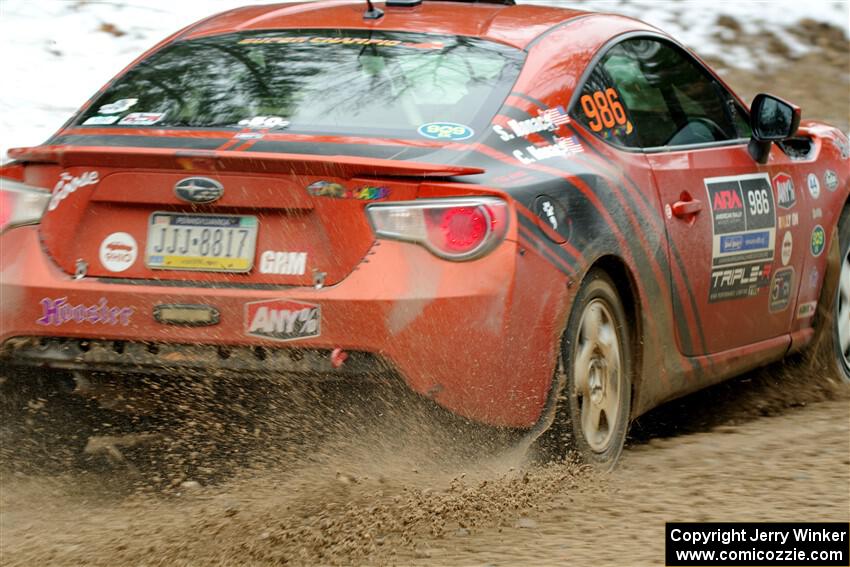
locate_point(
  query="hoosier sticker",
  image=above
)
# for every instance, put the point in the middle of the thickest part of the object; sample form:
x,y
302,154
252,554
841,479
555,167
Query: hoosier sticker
x,y
282,319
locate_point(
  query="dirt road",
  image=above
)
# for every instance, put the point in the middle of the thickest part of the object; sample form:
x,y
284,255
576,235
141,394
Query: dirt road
x,y
384,482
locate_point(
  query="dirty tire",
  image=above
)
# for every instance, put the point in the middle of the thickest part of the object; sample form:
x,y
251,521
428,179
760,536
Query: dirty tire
x,y
593,412
832,345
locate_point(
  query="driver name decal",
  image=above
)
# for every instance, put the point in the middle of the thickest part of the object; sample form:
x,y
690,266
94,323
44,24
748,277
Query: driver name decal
x,y
743,214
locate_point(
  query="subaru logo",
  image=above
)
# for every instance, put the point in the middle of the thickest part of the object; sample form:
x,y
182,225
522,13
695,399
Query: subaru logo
x,y
198,190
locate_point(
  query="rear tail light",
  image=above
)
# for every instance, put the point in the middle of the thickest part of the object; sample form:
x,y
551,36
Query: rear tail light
x,y
461,228
20,204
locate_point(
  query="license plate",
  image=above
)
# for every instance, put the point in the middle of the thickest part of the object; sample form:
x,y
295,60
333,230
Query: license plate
x,y
209,243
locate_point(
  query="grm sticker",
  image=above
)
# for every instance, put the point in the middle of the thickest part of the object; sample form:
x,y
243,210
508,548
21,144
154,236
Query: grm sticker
x,y
283,263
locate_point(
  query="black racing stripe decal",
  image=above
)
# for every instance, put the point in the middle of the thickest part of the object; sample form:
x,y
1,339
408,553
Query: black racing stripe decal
x,y
139,141
659,226
637,251
674,250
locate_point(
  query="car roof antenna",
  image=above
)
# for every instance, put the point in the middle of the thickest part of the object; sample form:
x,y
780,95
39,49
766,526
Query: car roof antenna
x,y
372,13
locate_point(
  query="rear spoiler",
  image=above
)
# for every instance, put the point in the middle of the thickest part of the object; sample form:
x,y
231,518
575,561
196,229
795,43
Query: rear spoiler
x,y
216,160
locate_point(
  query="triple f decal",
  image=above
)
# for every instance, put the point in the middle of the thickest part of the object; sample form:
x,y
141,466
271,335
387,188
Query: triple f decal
x,y
282,319
743,235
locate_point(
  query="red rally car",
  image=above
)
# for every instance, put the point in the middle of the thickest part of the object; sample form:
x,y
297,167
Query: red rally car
x,y
533,216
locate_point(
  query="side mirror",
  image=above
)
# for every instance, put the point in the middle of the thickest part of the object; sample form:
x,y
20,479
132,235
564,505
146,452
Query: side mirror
x,y
772,120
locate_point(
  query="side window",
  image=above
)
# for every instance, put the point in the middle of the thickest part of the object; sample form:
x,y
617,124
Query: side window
x,y
670,99
601,109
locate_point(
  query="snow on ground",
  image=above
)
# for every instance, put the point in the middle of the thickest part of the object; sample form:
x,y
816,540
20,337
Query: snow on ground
x,y
56,53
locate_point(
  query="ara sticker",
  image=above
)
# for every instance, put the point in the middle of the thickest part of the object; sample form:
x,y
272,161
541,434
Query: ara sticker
x,y
786,197
283,263
830,179
122,105
68,184
264,122
118,251
446,131
100,120
282,319
605,112
142,118
781,289
818,241
814,185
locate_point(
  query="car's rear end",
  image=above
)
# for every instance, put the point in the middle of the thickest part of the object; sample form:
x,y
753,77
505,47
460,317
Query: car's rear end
x,y
286,202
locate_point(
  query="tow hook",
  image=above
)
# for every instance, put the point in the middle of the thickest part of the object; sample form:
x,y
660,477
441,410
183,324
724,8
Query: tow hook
x,y
338,357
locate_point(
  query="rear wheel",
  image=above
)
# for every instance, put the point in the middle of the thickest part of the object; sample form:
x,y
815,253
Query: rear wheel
x,y
593,414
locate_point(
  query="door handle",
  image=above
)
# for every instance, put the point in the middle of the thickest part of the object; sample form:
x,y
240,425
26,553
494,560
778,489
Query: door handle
x,y
685,209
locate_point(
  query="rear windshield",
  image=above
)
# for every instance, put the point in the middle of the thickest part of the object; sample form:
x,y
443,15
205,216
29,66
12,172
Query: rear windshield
x,y
316,81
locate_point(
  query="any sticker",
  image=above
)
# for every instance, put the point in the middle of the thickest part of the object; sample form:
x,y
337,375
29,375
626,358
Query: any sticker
x,y
818,241
446,131
781,288
68,183
118,251
786,197
142,118
58,311
282,319
100,120
118,106
283,263
563,147
814,185
604,111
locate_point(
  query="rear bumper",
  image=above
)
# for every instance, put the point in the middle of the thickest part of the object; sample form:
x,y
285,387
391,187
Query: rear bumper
x,y
451,330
